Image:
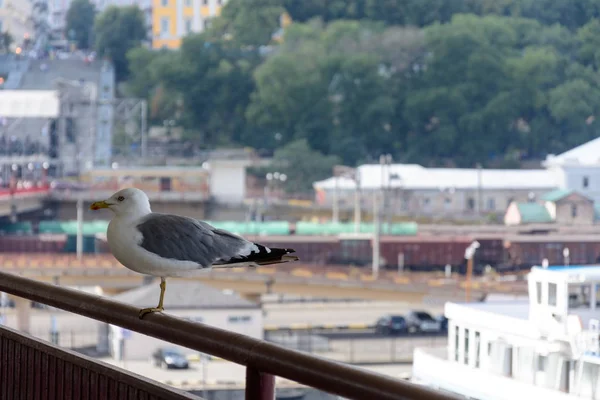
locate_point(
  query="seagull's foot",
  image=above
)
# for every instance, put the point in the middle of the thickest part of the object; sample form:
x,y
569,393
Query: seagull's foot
x,y
145,311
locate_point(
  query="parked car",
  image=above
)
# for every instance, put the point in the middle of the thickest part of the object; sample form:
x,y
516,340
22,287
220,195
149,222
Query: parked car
x,y
391,324
443,322
421,321
169,358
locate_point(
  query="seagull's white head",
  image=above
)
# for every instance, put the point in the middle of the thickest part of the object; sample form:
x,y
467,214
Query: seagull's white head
x,y
127,202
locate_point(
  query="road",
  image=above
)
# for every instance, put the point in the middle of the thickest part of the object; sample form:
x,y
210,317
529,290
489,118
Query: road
x,y
80,331
359,351
339,313
223,374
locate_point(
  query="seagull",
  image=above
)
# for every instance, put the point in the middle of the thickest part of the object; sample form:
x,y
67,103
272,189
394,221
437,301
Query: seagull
x,y
167,245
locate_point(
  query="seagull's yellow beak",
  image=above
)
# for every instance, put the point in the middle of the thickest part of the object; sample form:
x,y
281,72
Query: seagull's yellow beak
x,y
98,205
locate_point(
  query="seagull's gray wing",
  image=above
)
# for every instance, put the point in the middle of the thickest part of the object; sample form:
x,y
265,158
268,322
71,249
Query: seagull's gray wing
x,y
187,239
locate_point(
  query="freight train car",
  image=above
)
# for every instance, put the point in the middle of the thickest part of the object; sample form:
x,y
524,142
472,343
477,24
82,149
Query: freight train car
x,y
424,252
311,249
415,252
32,243
421,252
524,251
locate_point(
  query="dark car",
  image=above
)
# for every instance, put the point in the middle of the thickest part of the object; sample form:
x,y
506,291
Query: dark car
x,y
391,324
169,358
421,321
443,322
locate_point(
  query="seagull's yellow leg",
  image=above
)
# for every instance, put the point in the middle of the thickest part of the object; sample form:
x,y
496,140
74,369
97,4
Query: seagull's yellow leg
x,y
159,308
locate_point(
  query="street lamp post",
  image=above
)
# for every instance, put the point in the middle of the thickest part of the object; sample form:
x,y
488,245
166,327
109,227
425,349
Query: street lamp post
x,y
479,190
376,235
385,160
272,179
357,210
469,255
335,211
566,256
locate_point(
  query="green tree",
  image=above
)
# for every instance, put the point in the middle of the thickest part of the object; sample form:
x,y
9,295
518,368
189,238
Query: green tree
x,y
302,165
305,10
80,22
118,30
214,81
6,40
146,81
333,86
248,22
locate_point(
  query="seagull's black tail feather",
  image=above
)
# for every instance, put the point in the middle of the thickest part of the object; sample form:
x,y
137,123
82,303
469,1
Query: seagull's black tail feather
x,y
264,256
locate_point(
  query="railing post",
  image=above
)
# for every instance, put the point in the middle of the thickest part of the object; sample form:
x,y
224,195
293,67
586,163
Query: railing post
x,y
259,386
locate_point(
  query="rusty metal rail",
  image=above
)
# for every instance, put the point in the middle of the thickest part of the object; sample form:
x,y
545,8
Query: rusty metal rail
x,y
262,359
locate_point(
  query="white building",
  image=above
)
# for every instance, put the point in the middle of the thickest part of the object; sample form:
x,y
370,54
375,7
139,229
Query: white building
x,y
16,18
228,180
546,348
578,169
412,188
57,10
191,300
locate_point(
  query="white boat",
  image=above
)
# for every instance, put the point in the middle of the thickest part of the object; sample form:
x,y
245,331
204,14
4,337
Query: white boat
x,y
544,347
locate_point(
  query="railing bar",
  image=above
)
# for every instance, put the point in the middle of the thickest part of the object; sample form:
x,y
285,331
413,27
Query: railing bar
x,y
3,366
60,378
10,355
31,372
102,386
317,372
18,362
39,370
113,389
87,384
51,377
48,366
68,378
94,385
259,386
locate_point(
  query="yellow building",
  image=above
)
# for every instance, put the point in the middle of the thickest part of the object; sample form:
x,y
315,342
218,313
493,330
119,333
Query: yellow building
x,y
174,19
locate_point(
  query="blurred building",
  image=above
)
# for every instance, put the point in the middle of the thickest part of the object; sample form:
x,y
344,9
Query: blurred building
x,y
562,206
193,301
417,190
57,11
173,19
16,19
578,169
460,192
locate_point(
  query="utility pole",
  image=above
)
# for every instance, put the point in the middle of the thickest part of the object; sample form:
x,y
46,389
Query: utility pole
x,y
357,208
376,235
479,190
385,160
143,129
79,228
336,202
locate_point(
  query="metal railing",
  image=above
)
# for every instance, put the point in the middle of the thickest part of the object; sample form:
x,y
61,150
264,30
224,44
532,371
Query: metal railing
x,y
263,360
30,368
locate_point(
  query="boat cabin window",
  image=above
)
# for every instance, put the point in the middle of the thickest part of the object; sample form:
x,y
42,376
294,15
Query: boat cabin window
x,y
541,364
456,342
580,296
552,289
467,334
538,291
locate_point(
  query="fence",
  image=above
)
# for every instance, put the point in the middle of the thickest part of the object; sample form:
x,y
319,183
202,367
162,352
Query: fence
x,y
30,368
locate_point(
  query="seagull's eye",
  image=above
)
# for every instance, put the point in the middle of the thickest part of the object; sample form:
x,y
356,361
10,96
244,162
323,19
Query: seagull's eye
x,y
120,198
